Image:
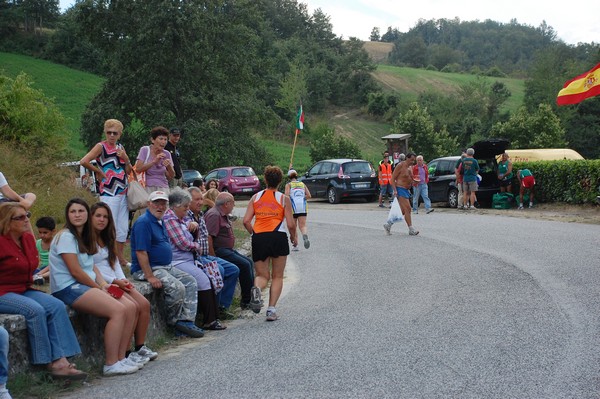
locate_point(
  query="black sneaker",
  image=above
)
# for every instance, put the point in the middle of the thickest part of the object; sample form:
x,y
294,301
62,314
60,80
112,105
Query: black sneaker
x,y
226,314
256,302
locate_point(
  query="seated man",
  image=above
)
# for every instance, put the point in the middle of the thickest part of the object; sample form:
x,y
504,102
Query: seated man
x,y
151,260
526,181
220,229
229,271
7,194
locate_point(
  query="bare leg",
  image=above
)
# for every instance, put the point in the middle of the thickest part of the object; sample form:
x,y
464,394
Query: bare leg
x,y
278,267
143,317
301,222
262,273
120,248
405,206
99,303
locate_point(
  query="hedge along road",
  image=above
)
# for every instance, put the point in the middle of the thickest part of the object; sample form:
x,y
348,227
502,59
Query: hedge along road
x,y
476,306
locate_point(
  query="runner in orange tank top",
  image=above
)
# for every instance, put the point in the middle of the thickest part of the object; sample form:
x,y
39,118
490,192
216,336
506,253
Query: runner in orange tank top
x,y
269,208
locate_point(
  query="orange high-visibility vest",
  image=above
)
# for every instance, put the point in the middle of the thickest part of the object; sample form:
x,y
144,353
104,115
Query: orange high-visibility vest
x,y
385,173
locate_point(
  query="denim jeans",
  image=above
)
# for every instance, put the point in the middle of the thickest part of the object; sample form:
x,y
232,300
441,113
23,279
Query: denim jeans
x,y
3,356
421,190
230,273
246,267
49,328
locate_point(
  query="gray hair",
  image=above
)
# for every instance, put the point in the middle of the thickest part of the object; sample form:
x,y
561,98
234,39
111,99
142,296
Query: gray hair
x,y
402,157
470,151
194,189
179,197
419,157
223,198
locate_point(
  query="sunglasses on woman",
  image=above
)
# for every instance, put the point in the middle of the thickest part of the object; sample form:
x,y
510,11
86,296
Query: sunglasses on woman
x,y
21,217
111,133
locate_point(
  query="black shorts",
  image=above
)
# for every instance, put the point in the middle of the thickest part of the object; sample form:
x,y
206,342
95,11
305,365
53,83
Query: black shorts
x,y
297,215
269,245
505,183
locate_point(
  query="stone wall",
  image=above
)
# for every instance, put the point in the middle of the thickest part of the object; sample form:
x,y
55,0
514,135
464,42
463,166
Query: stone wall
x,y
89,330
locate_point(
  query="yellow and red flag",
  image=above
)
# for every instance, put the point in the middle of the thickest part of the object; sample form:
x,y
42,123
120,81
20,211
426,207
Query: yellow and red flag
x,y
581,87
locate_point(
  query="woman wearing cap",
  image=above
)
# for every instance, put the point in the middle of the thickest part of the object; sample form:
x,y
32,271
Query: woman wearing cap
x,y
111,169
269,208
298,193
156,162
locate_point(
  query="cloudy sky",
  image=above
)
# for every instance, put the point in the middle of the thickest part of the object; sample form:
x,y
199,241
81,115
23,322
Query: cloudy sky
x,y
574,21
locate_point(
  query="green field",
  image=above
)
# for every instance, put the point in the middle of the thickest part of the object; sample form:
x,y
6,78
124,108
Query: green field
x,y
410,82
71,90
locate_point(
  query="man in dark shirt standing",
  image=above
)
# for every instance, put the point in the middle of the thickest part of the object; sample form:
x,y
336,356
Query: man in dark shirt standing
x,y
174,136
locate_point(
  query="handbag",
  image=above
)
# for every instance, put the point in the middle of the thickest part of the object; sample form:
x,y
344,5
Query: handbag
x,y
211,269
137,197
395,214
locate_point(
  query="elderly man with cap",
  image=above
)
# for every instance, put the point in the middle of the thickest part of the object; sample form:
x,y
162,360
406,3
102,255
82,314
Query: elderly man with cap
x,y
151,261
174,136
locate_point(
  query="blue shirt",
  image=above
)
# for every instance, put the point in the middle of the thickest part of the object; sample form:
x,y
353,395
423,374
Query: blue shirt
x,y
470,167
148,234
60,276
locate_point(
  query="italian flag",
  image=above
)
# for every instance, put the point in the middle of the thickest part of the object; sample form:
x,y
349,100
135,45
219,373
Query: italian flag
x,y
300,120
581,87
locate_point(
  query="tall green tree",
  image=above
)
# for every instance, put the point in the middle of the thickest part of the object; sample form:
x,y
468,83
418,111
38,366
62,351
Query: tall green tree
x,y
424,140
541,129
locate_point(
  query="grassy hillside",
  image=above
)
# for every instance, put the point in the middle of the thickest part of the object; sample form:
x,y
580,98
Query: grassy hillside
x,y
70,89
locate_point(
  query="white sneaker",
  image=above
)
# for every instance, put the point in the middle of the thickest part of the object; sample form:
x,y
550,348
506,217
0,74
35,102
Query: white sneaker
x,y
295,248
412,231
147,352
118,369
138,359
4,394
130,362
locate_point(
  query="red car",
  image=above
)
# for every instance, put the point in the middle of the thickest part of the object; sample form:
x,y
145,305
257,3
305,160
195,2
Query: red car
x,y
235,180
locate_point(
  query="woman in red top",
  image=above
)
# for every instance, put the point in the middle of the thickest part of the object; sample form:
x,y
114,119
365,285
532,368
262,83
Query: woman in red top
x,y
269,240
51,335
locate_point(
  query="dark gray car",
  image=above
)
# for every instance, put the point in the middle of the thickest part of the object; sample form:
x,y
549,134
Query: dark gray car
x,y
442,180
336,179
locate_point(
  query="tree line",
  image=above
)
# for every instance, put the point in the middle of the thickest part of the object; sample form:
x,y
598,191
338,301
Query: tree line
x,y
228,72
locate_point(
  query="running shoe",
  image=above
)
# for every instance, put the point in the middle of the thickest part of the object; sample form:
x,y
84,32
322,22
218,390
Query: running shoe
x,y
272,315
147,352
256,302
307,242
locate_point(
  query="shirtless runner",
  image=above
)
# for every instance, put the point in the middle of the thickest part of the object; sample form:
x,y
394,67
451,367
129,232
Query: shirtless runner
x,y
402,180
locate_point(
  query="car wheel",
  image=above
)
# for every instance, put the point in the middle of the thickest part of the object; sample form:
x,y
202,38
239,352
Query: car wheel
x,y
453,198
332,196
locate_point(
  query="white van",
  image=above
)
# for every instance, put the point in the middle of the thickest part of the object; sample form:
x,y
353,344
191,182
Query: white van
x,y
542,154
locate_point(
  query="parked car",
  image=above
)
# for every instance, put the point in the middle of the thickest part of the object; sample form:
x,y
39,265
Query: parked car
x,y
442,180
235,179
189,175
336,179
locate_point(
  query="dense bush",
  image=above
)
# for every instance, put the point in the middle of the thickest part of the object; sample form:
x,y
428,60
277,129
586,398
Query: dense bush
x,y
573,182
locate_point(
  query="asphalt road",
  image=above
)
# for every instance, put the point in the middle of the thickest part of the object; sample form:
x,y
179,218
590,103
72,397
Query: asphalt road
x,y
476,306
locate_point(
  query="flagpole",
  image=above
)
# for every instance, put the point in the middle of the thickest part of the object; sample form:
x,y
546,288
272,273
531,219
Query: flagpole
x,y
293,148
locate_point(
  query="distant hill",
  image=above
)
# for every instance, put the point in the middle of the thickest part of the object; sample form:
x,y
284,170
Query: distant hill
x,y
72,91
378,51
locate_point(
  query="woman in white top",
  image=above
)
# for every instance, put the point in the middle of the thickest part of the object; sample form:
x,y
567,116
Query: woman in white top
x,y
77,282
298,193
107,263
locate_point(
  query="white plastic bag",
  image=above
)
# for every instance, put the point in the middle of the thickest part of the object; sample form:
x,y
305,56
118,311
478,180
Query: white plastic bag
x,y
395,214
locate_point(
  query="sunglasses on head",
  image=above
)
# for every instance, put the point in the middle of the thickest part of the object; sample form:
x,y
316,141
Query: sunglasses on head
x,y
22,217
111,133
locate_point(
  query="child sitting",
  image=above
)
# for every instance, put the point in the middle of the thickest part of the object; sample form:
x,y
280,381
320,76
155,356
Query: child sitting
x,y
46,229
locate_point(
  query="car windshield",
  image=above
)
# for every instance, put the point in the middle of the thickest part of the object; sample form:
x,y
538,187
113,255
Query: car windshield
x,y
242,172
356,168
191,174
